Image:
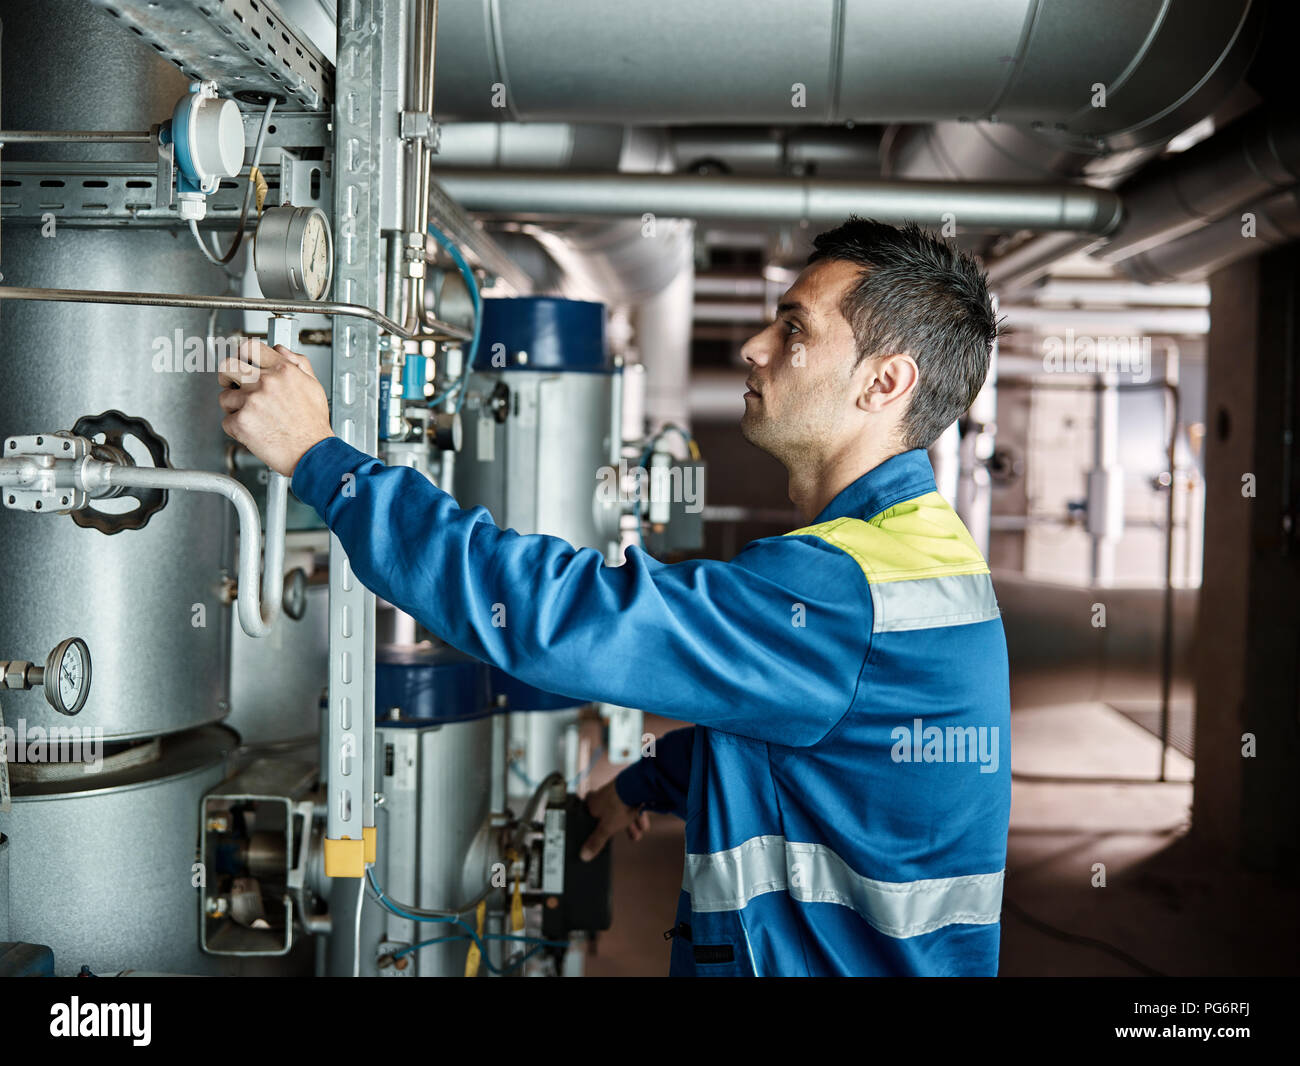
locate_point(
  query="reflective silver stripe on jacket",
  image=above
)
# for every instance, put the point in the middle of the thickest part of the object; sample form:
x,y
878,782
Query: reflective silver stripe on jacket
x,y
813,873
931,602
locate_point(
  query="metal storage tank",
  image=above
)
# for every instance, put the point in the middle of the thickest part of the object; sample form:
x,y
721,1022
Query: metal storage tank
x,y
102,864
536,441
131,595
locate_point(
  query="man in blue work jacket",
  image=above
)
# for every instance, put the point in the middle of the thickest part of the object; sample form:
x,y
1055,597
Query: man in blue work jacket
x,y
846,788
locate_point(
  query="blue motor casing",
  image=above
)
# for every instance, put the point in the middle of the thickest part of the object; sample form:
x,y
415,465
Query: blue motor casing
x,y
431,686
554,334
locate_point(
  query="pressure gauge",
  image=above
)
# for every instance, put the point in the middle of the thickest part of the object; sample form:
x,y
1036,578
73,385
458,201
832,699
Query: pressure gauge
x,y
67,676
293,253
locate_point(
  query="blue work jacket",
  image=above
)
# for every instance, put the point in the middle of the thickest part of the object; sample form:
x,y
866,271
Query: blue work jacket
x,y
846,787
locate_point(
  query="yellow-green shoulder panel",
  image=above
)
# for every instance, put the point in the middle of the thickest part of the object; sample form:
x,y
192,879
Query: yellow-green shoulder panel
x,y
917,538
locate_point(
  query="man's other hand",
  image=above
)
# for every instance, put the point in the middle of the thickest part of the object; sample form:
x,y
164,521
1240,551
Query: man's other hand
x,y
613,815
275,406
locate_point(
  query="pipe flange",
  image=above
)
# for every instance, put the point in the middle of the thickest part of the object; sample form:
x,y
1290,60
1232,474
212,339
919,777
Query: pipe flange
x,y
116,427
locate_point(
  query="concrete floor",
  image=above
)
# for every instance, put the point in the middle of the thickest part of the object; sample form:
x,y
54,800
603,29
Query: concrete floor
x,y
1082,795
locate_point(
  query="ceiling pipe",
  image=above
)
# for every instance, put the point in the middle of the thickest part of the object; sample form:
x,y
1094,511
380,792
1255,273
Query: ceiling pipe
x,y
1274,222
1249,159
1034,258
726,149
1078,208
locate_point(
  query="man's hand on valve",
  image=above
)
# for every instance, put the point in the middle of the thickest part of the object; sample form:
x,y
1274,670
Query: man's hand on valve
x,y
275,406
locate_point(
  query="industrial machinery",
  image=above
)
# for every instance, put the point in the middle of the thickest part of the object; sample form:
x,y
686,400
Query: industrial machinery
x,y
220,753
272,773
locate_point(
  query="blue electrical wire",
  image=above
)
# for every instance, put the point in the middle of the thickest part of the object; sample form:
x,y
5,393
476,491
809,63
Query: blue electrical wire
x,y
469,932
411,948
458,389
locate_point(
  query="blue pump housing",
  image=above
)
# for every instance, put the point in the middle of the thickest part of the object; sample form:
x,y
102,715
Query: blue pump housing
x,y
555,334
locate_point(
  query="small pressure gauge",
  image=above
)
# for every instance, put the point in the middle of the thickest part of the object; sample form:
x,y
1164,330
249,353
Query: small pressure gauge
x,y
293,253
67,676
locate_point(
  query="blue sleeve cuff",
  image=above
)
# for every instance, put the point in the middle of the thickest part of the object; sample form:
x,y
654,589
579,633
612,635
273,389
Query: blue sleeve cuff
x,y
320,471
630,785
661,782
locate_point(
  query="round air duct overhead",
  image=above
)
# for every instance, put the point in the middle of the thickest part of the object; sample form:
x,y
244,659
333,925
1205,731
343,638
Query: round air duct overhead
x,y
1033,63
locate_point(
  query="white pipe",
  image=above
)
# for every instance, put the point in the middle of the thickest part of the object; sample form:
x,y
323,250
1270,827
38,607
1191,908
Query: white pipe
x,y
256,618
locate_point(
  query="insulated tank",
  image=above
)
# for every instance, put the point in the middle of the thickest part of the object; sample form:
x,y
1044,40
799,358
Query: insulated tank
x,y
540,411
146,601
101,860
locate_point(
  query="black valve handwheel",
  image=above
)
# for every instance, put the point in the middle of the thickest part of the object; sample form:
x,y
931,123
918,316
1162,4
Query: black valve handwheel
x,y
116,427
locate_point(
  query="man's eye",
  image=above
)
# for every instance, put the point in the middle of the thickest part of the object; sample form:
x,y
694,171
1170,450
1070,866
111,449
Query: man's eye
x,y
789,326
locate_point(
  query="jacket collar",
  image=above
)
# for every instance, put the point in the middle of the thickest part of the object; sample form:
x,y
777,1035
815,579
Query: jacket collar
x,y
900,477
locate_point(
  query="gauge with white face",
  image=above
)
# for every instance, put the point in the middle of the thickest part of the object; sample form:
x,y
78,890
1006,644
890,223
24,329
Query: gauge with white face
x,y
316,256
67,676
293,253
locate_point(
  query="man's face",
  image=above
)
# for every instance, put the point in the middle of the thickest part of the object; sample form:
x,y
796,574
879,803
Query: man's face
x,y
802,391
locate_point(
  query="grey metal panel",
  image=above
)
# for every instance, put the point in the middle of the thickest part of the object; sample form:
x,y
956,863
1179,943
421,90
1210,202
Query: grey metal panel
x,y
132,595
925,61
675,61
276,681
539,473
102,872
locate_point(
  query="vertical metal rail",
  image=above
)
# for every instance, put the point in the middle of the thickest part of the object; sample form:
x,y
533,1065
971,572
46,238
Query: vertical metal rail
x,y
359,161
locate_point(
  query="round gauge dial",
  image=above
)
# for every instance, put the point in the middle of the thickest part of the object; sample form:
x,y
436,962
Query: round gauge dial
x,y
316,257
293,253
67,676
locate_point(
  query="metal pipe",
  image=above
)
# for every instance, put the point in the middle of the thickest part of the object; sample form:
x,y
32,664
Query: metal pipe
x,y
257,618
99,479
1167,649
440,330
1035,258
419,92
1171,202
1079,208
1254,158
1270,223
8,137
859,61
1167,631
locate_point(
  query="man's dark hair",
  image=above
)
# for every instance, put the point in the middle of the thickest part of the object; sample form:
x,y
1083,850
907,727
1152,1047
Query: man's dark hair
x,y
921,296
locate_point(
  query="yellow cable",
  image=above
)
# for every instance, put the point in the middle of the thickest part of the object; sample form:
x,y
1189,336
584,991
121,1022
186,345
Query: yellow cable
x,y
260,188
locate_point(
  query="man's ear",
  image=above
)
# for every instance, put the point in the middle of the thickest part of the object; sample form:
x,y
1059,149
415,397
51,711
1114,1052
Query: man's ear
x,y
890,379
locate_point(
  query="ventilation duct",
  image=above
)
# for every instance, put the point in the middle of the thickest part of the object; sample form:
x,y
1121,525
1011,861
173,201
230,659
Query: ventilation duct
x,y
1243,164
1024,62
1275,221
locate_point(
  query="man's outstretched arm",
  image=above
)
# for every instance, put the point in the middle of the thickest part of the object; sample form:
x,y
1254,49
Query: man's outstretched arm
x,y
769,645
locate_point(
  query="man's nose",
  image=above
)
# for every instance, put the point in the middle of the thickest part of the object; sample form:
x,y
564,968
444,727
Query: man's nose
x,y
754,350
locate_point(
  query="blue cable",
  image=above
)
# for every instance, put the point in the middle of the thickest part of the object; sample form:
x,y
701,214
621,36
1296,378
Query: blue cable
x,y
411,948
458,389
469,933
